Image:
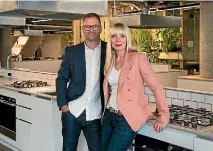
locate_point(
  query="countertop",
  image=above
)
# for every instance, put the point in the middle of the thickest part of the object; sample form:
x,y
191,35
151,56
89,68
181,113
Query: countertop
x,y
205,133
37,91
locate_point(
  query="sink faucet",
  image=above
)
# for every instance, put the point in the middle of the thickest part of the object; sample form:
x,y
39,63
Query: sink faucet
x,y
8,59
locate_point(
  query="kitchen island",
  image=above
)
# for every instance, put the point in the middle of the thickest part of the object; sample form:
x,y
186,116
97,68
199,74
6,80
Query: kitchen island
x,y
37,120
39,126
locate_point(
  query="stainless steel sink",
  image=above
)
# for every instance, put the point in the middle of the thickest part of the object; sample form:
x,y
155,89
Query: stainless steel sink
x,y
53,93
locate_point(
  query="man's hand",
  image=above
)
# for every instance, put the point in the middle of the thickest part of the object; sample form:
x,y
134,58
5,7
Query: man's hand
x,y
64,108
159,126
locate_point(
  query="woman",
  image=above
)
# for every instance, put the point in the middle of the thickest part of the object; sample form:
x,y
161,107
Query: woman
x,y
126,107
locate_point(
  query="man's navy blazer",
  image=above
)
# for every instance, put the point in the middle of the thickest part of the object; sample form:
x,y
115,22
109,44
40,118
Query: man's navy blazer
x,y
73,69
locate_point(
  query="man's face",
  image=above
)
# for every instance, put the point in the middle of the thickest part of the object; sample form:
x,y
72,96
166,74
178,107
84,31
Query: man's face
x,y
92,29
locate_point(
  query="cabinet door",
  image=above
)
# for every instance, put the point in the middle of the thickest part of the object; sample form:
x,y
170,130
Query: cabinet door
x,y
23,135
42,124
203,145
57,127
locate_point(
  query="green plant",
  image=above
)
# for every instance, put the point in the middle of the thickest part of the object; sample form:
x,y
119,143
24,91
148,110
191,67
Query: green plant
x,y
68,37
142,38
170,39
146,43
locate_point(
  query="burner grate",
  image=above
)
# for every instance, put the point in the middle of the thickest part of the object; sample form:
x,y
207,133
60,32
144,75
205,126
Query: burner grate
x,y
190,117
29,84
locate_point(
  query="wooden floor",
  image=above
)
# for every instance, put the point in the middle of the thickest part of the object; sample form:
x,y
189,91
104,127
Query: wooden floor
x,y
4,148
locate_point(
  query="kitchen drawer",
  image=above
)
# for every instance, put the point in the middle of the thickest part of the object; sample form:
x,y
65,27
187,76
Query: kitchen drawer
x,y
24,114
23,135
24,100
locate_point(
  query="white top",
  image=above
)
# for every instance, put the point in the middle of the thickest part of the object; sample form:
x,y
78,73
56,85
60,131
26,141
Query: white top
x,y
91,98
113,82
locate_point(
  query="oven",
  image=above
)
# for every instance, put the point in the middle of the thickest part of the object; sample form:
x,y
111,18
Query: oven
x,y
8,116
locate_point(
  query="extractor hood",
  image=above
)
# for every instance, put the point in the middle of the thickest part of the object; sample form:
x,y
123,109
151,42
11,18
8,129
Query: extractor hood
x,y
147,21
61,10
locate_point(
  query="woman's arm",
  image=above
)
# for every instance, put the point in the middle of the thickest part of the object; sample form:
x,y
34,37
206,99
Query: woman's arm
x,y
155,86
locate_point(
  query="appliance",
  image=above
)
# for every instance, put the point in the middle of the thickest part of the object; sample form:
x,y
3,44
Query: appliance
x,y
15,21
144,143
57,10
185,116
29,84
146,21
8,116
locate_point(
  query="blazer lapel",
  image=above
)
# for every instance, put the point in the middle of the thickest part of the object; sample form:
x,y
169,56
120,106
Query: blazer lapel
x,y
125,70
103,54
83,60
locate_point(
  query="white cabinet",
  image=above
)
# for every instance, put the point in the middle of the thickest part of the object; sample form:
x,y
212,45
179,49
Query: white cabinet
x,y
23,135
23,122
57,127
42,127
203,145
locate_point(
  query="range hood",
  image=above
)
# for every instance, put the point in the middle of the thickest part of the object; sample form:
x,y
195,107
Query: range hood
x,y
58,10
147,21
15,21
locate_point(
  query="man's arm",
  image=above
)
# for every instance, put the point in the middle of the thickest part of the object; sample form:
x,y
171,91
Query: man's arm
x,y
61,82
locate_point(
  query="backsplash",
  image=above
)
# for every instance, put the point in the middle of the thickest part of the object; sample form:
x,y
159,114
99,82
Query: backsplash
x,y
26,74
194,99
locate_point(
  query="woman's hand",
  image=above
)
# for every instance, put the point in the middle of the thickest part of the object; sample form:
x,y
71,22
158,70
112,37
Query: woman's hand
x,y
159,126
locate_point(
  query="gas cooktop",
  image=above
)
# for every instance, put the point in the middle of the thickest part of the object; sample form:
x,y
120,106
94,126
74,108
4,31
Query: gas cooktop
x,y
189,117
29,84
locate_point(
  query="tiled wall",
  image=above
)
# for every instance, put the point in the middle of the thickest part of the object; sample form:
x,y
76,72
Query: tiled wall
x,y
194,99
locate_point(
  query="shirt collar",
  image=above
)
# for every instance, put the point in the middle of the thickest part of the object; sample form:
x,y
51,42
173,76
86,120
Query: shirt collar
x,y
99,46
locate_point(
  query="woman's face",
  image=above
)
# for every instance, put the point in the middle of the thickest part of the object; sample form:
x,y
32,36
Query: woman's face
x,y
119,42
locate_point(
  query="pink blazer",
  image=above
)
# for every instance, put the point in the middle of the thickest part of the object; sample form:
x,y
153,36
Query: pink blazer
x,y
131,100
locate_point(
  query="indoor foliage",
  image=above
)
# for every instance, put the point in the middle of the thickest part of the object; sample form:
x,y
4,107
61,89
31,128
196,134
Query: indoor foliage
x,y
153,43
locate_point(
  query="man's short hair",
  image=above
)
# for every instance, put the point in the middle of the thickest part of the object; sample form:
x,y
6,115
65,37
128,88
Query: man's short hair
x,y
90,15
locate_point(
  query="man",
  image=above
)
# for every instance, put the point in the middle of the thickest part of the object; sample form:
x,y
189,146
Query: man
x,y
82,101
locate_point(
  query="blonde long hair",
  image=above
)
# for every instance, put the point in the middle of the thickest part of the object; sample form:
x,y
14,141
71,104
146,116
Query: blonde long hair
x,y
118,28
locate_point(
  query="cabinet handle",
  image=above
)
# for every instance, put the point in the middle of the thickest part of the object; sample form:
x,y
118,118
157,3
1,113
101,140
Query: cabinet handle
x,y
25,93
24,107
23,121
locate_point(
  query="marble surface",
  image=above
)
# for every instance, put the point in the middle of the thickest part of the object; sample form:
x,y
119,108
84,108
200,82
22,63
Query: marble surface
x,y
37,91
205,133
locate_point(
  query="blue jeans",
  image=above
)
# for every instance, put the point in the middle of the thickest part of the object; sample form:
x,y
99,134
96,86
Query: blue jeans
x,y
117,135
71,129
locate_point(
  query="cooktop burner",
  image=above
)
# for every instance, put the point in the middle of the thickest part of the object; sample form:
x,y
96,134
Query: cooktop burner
x,y
29,84
190,117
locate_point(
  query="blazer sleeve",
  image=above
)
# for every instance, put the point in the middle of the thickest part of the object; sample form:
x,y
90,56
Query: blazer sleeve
x,y
155,86
62,80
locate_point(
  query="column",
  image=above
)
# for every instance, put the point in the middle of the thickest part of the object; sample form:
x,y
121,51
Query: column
x,y
5,45
76,29
206,37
